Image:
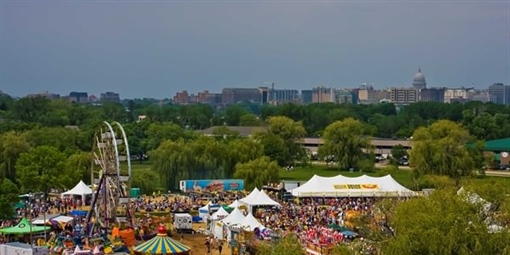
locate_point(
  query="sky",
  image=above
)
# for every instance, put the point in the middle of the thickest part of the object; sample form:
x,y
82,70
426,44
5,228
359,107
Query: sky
x,y
155,48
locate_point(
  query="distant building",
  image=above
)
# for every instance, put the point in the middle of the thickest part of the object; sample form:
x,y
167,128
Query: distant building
x,y
345,96
402,95
499,93
458,94
419,80
182,97
281,96
481,96
432,94
321,94
45,94
110,97
78,97
237,95
306,96
368,95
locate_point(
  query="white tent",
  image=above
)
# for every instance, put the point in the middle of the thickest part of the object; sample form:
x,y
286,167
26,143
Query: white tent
x,y
250,223
63,219
235,204
361,186
204,211
235,217
261,199
81,189
219,228
44,218
220,214
250,196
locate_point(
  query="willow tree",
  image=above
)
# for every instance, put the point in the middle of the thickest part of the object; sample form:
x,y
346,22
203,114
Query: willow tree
x,y
443,148
446,223
345,141
258,172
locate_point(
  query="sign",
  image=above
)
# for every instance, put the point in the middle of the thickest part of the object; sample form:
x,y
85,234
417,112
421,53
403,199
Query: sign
x,y
356,186
504,154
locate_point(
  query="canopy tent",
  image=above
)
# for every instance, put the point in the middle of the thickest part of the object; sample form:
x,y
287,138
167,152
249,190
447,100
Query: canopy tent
x,y
162,244
261,199
205,210
250,196
235,204
43,219
23,227
62,219
361,186
235,217
220,214
81,189
250,222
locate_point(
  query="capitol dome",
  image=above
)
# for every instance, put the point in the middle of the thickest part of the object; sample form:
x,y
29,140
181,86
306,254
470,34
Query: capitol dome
x,y
419,80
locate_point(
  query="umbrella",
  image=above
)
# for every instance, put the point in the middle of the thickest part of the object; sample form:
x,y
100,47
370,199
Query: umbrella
x,y
162,244
78,213
349,233
338,228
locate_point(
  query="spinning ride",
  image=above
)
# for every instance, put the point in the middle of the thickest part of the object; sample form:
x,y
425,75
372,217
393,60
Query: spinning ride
x,y
110,178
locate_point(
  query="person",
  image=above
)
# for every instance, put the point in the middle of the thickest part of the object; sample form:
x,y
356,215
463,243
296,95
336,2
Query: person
x,y
182,236
220,248
208,245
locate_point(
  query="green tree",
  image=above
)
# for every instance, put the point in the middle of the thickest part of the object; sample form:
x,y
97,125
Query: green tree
x,y
290,132
289,245
66,141
81,164
43,168
12,145
345,141
441,149
249,119
157,133
444,223
146,179
397,152
8,198
258,172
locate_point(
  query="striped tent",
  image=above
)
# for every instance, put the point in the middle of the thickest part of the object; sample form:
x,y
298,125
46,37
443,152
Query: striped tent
x,y
162,244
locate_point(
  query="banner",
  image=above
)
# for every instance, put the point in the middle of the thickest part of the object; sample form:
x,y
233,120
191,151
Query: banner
x,y
356,186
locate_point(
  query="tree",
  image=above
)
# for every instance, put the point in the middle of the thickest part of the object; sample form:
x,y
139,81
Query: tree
x,y
289,245
66,141
8,197
81,163
344,140
290,132
397,152
43,168
12,145
444,223
258,172
442,149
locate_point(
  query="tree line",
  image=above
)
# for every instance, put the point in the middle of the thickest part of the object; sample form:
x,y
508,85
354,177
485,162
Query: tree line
x,y
50,140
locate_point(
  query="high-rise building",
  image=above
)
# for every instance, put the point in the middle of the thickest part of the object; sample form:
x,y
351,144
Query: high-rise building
x,y
458,94
321,94
432,94
45,94
182,97
368,95
306,96
499,93
402,95
110,97
79,97
237,95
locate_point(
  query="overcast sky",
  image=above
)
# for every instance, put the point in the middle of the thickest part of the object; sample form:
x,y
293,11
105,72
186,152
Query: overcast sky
x,y
156,48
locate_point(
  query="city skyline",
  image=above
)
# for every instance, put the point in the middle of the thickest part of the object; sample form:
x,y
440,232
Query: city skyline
x,y
155,49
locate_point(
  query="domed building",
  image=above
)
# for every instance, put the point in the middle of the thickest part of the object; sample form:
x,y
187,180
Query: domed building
x,y
419,80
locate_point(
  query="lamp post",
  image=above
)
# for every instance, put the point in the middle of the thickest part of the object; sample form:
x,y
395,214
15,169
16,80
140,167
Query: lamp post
x,y
30,219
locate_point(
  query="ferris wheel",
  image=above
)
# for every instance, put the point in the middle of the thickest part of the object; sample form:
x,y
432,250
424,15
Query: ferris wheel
x,y
111,177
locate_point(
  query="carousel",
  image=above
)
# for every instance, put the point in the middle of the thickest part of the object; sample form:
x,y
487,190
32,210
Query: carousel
x,y
162,244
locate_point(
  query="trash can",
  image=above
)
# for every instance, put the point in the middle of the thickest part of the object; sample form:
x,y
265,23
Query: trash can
x,y
135,192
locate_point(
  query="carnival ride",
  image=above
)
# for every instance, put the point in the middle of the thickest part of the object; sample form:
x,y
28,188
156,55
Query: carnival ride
x,y
110,179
